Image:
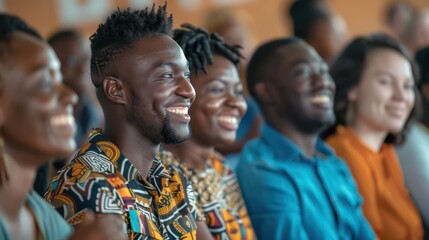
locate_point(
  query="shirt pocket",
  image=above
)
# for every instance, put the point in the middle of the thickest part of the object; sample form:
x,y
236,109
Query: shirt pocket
x,y
139,224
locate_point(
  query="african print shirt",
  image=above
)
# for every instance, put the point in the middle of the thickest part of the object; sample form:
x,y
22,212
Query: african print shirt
x,y
103,180
219,200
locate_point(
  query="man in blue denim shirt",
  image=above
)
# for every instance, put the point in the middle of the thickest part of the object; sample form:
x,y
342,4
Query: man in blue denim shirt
x,y
293,184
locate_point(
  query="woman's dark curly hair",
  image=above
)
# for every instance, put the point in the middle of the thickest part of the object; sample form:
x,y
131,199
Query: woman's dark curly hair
x,y
347,72
199,47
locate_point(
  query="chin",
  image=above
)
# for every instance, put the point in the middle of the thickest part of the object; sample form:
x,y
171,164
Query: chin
x,y
226,140
395,127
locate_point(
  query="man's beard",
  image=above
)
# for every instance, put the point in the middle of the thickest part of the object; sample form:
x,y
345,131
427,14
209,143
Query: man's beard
x,y
169,135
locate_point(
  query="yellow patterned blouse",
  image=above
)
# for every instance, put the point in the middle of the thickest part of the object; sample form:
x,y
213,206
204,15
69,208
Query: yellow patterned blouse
x,y
218,195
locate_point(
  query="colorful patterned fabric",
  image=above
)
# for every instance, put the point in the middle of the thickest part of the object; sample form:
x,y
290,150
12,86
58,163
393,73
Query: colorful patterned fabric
x,y
219,200
103,180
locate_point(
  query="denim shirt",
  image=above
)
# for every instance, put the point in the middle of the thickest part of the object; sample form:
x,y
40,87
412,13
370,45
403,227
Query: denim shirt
x,y
291,196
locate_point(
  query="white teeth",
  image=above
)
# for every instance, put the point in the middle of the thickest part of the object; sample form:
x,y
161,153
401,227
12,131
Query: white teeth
x,y
320,99
65,119
232,120
178,110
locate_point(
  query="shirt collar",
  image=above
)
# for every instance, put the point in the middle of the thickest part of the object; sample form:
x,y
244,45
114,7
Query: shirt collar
x,y
122,164
282,147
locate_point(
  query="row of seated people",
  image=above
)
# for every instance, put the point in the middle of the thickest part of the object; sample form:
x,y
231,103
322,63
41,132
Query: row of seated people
x,y
146,77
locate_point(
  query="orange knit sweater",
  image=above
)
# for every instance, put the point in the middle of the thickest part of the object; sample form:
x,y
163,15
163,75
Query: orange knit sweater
x,y
387,205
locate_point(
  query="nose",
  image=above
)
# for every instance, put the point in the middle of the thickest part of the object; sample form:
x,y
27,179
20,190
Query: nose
x,y
323,81
185,89
237,101
68,96
399,92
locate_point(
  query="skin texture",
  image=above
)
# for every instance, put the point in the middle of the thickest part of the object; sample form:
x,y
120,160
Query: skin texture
x,y
297,99
384,97
37,125
142,91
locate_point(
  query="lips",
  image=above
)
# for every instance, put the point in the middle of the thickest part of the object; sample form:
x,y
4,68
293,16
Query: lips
x,y
180,112
64,124
229,122
397,112
322,99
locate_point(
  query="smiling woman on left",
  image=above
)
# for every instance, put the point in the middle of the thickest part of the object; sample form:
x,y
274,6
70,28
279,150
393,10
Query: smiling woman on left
x,y
36,126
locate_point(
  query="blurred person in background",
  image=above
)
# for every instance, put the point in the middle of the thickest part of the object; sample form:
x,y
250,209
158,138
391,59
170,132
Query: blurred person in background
x,y
397,15
374,101
234,27
215,116
316,23
37,125
414,152
74,54
294,185
416,34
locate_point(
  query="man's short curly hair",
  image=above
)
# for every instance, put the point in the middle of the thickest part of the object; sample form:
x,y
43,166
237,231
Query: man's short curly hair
x,y
121,30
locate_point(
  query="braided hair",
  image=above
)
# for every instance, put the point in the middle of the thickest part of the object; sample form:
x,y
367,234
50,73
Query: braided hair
x,y
199,47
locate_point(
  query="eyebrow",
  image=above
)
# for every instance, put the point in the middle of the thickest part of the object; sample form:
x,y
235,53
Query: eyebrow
x,y
170,64
223,81
305,61
384,72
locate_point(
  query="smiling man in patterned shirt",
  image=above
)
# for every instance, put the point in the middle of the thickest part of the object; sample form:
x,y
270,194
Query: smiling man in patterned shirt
x,y
141,78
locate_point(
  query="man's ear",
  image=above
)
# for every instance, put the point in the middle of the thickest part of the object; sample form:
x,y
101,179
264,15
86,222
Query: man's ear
x,y
263,92
114,90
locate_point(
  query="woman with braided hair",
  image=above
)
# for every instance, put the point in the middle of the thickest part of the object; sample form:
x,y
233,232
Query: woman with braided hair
x,y
215,116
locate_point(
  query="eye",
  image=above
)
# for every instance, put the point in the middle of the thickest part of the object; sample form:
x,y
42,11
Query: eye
x,y
188,75
384,81
238,91
45,85
409,86
167,75
217,89
304,72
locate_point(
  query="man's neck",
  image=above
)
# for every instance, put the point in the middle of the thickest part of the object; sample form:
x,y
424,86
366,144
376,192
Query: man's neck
x,y
139,150
306,142
192,154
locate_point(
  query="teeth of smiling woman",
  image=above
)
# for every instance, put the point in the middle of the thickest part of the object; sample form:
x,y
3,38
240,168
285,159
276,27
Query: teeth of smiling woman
x,y
178,110
64,119
232,120
321,99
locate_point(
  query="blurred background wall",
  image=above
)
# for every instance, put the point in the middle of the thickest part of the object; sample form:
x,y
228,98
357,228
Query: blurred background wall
x,y
266,18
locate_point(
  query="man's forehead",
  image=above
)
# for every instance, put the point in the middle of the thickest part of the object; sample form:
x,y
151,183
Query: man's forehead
x,y
297,53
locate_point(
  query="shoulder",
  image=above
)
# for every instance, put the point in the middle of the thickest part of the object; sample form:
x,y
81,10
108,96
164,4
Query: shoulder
x,y
52,224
